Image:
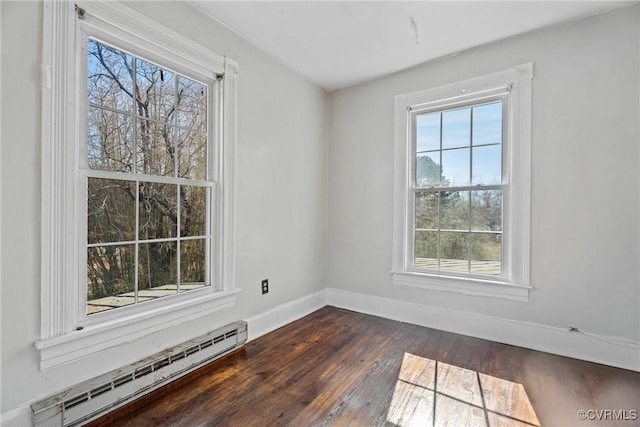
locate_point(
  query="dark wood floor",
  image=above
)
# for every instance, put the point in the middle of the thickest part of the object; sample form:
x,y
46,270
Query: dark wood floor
x,y
338,368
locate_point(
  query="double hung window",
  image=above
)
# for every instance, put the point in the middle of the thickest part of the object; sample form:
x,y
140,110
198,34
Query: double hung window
x,y
138,139
458,188
461,188
149,196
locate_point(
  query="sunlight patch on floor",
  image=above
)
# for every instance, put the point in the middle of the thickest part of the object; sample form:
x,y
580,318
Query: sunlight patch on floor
x,y
432,393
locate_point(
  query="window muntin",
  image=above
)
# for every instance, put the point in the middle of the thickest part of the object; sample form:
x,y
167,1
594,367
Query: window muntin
x,y
458,186
149,203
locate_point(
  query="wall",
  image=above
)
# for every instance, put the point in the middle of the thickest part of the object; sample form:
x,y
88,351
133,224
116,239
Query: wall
x,y
295,200
585,206
281,222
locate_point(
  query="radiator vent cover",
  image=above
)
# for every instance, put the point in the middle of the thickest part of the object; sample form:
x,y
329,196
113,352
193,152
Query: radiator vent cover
x,y
90,399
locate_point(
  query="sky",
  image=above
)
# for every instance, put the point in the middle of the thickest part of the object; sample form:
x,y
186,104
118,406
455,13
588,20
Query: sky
x,y
468,140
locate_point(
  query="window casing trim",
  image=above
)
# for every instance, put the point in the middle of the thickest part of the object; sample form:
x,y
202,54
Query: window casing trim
x,y
463,285
62,76
515,283
96,337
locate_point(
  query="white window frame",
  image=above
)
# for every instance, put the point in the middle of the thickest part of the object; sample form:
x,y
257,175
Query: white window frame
x,y
514,283
66,334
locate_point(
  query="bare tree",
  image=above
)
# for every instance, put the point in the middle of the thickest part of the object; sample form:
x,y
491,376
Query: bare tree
x,y
146,119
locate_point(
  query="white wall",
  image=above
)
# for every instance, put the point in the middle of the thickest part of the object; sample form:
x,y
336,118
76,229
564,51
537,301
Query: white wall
x,y
281,221
585,214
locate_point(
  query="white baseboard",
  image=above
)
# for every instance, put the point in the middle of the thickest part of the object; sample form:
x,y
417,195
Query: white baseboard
x,y
284,314
610,351
17,417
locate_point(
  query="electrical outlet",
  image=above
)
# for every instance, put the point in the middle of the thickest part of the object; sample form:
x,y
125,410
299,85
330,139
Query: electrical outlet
x,y
265,286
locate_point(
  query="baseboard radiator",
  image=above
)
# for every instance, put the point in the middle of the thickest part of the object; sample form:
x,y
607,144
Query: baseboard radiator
x,y
88,400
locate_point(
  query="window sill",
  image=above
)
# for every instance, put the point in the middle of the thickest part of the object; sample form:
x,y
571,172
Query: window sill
x,y
467,286
75,345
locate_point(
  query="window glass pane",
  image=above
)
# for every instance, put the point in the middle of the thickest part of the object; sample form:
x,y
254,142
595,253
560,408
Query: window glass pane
x,y
192,105
454,252
155,94
146,119
427,210
110,277
456,128
426,249
110,140
456,167
192,148
157,270
428,169
192,265
428,132
486,254
454,210
155,148
486,210
487,165
111,210
158,210
192,210
487,124
109,81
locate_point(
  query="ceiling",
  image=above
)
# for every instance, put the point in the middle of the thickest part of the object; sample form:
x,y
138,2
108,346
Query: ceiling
x,y
336,44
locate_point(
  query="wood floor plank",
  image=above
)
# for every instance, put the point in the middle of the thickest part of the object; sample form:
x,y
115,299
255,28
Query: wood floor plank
x,y
341,368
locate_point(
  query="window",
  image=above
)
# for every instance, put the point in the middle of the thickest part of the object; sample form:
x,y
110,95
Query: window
x,y
137,202
458,189
461,192
148,194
